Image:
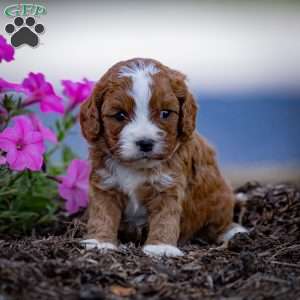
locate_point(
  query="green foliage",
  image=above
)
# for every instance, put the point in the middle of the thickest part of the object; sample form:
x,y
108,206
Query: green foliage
x,y
27,199
64,125
13,106
67,155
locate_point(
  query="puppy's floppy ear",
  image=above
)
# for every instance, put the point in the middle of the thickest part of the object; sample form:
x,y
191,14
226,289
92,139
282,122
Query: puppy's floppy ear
x,y
188,106
90,114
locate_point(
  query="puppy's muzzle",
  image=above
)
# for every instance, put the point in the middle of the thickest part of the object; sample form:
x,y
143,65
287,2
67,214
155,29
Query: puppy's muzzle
x,y
145,145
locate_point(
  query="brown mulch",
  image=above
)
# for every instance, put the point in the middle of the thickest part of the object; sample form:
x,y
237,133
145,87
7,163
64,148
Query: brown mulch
x,y
264,264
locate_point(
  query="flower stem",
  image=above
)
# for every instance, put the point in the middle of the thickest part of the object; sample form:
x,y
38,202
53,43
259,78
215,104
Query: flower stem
x,y
70,108
54,178
15,178
13,191
51,151
29,102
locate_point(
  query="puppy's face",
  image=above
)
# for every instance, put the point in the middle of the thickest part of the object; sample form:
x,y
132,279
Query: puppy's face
x,y
140,109
140,115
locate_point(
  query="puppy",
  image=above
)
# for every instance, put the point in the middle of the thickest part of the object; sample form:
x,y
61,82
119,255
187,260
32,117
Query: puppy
x,y
148,161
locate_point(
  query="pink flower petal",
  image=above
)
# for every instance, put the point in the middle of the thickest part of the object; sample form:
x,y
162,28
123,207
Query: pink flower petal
x,y
22,125
77,92
6,144
74,186
17,160
77,199
33,82
6,86
2,160
33,137
6,50
42,92
34,160
24,145
69,87
83,185
10,134
11,156
52,103
46,132
71,206
66,181
84,172
68,194
78,171
73,171
49,135
3,114
8,139
81,197
37,148
65,192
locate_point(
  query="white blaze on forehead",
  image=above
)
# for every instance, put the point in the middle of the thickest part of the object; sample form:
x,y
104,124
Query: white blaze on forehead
x,y
141,85
141,126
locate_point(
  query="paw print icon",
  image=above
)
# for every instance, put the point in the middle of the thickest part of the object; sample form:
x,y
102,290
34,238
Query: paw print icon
x,y
24,32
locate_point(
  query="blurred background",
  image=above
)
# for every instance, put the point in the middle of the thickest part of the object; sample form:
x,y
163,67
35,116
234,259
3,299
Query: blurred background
x,y
242,59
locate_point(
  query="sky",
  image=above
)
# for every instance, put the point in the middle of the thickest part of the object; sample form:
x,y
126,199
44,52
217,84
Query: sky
x,y
220,45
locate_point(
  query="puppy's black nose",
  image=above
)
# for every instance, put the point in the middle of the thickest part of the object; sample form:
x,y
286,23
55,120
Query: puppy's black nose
x,y
145,145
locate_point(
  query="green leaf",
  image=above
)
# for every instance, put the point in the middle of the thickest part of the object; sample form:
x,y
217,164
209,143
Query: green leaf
x,y
8,102
67,155
28,199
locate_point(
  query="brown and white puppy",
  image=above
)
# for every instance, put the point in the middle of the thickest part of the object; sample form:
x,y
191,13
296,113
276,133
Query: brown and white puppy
x,y
148,160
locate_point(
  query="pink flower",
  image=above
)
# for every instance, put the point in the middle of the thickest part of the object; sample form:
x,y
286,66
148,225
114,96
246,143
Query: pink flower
x,y
6,51
74,186
3,112
38,126
46,133
3,115
6,86
77,92
23,145
2,160
37,90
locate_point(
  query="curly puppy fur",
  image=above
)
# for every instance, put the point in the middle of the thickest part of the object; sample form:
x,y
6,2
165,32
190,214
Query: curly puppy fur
x,y
148,161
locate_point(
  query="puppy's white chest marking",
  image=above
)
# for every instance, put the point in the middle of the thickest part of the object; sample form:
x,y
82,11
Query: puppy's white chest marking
x,y
128,181
124,179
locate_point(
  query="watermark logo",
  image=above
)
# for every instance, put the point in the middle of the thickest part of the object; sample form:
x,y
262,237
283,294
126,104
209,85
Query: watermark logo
x,y
24,29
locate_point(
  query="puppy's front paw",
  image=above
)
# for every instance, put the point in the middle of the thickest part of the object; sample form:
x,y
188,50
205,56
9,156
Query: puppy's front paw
x,y
162,250
231,231
94,244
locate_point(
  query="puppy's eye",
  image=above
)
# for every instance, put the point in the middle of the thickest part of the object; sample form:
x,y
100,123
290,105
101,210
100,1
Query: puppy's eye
x,y
120,116
164,114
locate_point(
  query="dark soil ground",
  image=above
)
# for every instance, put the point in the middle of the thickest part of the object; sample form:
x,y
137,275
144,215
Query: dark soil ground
x,y
262,265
